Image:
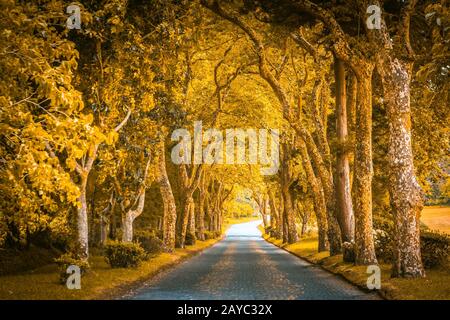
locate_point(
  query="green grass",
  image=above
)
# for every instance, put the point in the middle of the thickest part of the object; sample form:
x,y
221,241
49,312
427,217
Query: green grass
x,y
437,218
436,286
101,282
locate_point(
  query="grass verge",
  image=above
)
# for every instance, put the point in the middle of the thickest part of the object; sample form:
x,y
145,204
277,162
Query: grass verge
x,y
436,286
102,281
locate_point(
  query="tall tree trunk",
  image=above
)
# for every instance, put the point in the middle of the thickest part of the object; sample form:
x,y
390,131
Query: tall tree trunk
x,y
104,229
127,226
82,221
362,182
191,223
404,190
201,216
281,228
260,199
264,218
107,220
170,210
290,230
289,217
343,192
394,59
318,200
188,202
113,226
274,214
305,219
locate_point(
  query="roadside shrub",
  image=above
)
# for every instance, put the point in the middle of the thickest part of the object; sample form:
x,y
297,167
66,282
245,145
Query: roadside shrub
x,y
435,248
383,245
268,230
124,255
151,244
190,239
212,234
275,234
208,235
67,260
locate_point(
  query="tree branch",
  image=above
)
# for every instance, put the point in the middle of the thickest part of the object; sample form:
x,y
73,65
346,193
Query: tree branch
x,y
124,121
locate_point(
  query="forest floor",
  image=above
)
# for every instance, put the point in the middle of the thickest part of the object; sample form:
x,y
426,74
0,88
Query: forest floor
x,y
436,285
102,281
437,218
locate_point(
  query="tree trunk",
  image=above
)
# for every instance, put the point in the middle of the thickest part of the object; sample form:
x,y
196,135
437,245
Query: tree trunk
x,y
188,202
127,226
191,223
318,200
262,209
201,217
113,226
362,182
264,218
275,215
281,228
343,192
289,219
104,229
404,190
170,210
129,217
290,230
305,219
325,180
82,221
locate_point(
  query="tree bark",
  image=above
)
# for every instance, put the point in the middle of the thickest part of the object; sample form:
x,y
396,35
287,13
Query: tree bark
x,y
201,215
129,217
104,229
404,190
260,199
188,202
275,214
305,219
191,224
289,217
362,181
394,59
82,221
290,231
107,220
343,192
318,200
170,210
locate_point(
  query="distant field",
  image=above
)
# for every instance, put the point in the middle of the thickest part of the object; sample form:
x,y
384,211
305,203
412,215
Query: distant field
x,y
437,218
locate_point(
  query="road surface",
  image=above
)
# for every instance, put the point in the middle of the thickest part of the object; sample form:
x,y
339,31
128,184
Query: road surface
x,y
244,266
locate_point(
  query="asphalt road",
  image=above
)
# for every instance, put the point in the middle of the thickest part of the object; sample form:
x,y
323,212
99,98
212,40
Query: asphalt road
x,y
244,266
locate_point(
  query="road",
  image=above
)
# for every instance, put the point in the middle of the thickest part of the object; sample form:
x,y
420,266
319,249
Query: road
x,y
244,266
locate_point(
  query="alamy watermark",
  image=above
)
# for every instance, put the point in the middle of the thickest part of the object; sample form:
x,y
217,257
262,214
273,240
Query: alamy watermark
x,y
74,20
235,146
374,279
74,279
374,20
